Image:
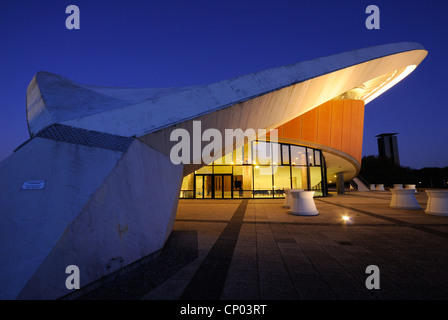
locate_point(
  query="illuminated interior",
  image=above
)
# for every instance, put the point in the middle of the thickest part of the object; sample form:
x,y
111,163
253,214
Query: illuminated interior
x,y
375,87
259,169
332,132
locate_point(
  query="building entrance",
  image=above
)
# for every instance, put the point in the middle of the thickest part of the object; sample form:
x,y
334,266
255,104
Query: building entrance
x,y
252,174
216,186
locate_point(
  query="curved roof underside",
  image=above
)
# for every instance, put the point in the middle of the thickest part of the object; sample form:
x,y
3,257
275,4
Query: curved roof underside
x,y
359,74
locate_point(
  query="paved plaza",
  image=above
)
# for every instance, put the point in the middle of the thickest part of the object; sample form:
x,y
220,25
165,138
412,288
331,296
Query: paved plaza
x,y
253,249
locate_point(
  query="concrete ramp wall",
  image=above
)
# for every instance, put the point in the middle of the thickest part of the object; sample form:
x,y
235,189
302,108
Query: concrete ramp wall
x,y
99,210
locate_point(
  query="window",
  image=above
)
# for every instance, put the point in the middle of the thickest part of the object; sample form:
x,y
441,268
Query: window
x,y
277,166
222,169
316,180
262,181
282,180
310,155
266,153
205,170
299,178
242,181
298,156
187,190
317,157
285,154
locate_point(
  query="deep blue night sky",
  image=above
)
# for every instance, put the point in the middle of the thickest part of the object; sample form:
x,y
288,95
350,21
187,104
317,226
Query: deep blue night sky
x,y
176,43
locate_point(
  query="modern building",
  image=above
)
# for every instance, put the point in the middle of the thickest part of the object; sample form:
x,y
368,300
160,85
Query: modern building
x,y
388,147
253,174
95,185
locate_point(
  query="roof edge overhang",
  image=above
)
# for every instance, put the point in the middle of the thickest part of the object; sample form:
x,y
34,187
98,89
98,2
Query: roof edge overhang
x,y
112,114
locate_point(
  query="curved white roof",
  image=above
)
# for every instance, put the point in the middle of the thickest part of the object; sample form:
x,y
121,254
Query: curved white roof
x,y
135,112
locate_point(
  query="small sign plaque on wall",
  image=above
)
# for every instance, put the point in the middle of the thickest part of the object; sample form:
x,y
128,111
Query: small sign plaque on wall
x,y
33,185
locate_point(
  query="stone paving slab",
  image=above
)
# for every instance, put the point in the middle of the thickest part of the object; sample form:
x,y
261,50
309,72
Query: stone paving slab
x,y
261,252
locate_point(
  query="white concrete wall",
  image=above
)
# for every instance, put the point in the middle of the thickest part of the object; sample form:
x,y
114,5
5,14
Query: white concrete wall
x,y
130,216
32,221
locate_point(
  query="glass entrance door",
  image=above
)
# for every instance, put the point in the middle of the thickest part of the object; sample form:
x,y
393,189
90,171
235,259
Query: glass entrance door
x,y
222,186
204,186
217,186
227,190
208,186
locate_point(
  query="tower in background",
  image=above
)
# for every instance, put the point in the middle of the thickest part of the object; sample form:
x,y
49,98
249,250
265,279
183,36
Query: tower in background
x,y
388,147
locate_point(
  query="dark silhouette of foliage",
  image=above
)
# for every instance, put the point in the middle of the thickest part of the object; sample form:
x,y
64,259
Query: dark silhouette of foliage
x,y
382,170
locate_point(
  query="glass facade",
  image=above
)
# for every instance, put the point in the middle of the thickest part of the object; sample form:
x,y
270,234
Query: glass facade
x,y
259,169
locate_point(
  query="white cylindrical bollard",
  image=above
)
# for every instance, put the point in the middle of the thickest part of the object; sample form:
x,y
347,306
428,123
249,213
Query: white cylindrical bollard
x,y
303,203
410,186
372,187
403,199
398,186
437,202
288,198
380,187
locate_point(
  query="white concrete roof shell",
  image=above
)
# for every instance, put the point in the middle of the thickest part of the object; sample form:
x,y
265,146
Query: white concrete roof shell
x,y
135,112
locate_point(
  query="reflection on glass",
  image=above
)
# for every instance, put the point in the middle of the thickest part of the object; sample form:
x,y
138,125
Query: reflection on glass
x,y
219,186
299,178
285,154
237,181
199,187
262,182
298,156
262,152
317,157
222,186
275,155
310,153
282,180
315,178
205,170
208,186
316,181
188,182
187,189
247,152
242,181
222,169
227,186
286,168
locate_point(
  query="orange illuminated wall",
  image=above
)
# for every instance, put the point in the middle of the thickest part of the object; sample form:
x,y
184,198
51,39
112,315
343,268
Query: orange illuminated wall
x,y
337,124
